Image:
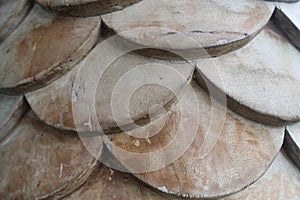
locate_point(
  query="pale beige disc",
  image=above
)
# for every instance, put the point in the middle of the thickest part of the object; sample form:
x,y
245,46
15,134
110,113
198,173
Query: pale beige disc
x,y
42,48
242,153
189,26
39,162
261,80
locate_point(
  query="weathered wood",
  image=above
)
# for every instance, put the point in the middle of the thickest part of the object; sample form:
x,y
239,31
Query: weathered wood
x,y
187,27
42,48
12,109
281,181
292,143
243,152
287,19
54,104
39,162
261,80
85,8
12,13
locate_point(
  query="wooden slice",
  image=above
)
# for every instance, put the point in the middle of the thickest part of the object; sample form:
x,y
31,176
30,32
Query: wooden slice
x,y
261,80
39,162
12,13
243,152
292,143
287,19
43,48
281,181
85,8
55,103
107,183
189,26
12,109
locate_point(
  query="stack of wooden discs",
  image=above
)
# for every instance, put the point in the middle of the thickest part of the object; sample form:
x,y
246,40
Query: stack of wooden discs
x,y
149,99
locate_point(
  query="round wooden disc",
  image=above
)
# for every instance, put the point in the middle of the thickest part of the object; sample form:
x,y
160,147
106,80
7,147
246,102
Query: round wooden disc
x,y
260,84
42,48
287,18
107,183
292,143
12,109
243,152
39,162
281,181
55,103
85,8
12,13
217,26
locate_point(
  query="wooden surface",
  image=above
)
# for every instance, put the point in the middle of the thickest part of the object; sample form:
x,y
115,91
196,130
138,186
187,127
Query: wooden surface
x,y
85,8
39,162
12,13
43,48
292,143
281,181
287,18
189,26
242,153
12,109
54,104
261,80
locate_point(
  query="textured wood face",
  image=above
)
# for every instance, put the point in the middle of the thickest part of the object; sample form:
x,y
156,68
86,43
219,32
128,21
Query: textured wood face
x,y
85,8
106,183
43,48
55,103
243,152
40,162
287,18
264,89
281,181
189,26
11,110
12,13
292,143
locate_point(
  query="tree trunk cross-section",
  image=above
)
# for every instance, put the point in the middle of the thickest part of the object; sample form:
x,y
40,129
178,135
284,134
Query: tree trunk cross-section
x,y
292,143
85,8
42,48
39,162
242,154
189,26
264,89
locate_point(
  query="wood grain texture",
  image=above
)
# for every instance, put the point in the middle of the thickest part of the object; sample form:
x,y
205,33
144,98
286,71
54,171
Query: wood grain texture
x,y
39,162
260,80
85,8
54,104
189,26
287,19
281,181
12,12
43,48
292,143
242,154
12,109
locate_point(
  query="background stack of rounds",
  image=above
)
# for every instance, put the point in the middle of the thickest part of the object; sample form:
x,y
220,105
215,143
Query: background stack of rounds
x,y
149,99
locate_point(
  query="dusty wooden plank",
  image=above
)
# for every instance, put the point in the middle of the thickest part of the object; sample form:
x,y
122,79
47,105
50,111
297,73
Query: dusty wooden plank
x,y
292,143
243,152
39,162
12,109
12,13
42,48
187,27
281,181
55,103
287,19
260,80
85,8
